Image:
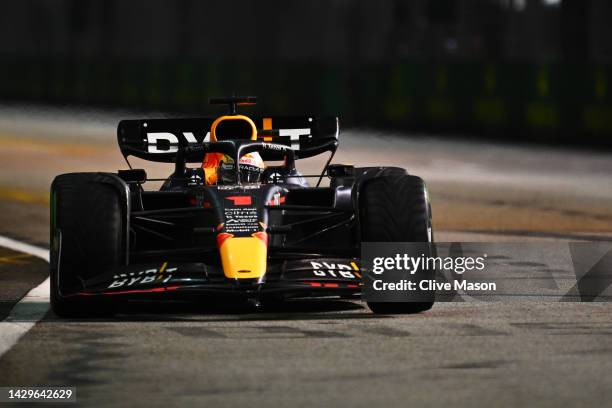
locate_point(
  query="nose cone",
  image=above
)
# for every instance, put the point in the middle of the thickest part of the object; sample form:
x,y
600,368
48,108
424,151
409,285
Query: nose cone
x,y
243,257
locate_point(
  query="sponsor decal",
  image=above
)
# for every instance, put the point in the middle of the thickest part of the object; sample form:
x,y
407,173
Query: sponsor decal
x,y
241,220
294,136
239,187
154,138
274,146
171,140
240,200
249,160
335,270
154,275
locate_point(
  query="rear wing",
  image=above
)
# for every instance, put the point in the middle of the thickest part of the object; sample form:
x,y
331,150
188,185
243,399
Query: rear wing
x,y
159,140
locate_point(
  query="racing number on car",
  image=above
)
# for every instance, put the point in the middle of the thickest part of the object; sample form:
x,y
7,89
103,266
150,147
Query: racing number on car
x,y
333,270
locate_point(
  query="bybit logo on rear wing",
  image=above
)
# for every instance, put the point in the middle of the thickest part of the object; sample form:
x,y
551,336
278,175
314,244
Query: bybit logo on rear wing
x,y
167,142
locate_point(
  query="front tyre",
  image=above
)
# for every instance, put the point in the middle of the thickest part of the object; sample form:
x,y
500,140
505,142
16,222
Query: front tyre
x,y
86,239
396,209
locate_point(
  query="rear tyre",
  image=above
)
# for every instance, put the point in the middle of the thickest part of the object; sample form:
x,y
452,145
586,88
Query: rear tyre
x,y
87,239
396,209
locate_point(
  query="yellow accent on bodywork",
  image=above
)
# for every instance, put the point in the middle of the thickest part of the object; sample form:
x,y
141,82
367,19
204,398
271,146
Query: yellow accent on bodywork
x,y
213,127
267,123
244,258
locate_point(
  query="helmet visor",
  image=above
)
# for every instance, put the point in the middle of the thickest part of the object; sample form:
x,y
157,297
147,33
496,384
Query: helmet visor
x,y
250,173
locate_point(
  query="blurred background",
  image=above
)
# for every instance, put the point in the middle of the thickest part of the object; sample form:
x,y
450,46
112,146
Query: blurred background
x,y
504,69
504,107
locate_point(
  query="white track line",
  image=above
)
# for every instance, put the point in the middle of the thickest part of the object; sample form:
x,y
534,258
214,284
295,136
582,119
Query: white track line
x,y
31,308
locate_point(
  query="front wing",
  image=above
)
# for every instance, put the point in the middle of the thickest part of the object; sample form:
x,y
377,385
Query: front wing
x,y
303,278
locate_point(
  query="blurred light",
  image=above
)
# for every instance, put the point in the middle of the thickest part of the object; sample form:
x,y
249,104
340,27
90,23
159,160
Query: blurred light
x,y
551,2
519,5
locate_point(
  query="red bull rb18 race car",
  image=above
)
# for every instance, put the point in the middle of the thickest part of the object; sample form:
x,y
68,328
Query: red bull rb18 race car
x,y
233,232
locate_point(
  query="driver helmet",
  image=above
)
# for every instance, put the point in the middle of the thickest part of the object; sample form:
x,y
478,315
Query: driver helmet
x,y
219,168
251,167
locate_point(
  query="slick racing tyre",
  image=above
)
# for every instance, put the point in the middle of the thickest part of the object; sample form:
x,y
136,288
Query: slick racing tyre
x,y
396,209
87,239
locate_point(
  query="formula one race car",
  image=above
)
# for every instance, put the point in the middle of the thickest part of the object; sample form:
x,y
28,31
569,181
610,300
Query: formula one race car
x,y
231,231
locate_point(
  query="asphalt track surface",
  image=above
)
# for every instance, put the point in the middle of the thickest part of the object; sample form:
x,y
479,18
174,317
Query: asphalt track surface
x,y
323,353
